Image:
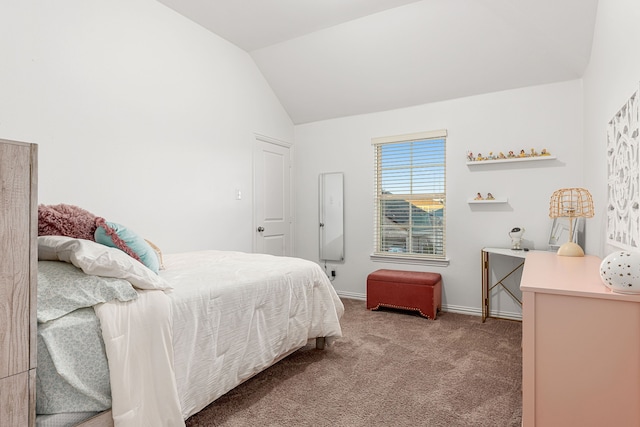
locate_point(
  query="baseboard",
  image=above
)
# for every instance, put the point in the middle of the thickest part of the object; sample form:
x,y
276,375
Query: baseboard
x,y
507,315
471,311
351,295
478,312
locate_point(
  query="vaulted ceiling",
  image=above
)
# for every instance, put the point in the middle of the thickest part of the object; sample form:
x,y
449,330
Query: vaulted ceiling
x,y
333,58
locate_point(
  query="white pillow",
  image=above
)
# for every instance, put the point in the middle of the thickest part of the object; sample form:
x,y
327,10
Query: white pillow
x,y
99,260
63,288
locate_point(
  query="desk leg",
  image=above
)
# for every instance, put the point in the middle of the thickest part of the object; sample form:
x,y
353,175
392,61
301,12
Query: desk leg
x,y
485,284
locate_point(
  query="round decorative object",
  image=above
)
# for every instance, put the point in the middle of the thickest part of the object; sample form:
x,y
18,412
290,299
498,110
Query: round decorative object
x,y
620,272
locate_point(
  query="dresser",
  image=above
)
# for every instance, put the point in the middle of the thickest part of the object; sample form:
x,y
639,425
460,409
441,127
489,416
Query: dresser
x,y
18,276
581,346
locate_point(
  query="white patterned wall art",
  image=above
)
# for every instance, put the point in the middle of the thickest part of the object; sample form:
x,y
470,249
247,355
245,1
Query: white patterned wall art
x,y
623,186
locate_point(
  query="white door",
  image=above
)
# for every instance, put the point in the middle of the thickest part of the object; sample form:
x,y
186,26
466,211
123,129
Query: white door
x,y
272,197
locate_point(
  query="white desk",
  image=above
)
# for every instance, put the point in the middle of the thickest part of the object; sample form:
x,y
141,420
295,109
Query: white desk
x,y
486,280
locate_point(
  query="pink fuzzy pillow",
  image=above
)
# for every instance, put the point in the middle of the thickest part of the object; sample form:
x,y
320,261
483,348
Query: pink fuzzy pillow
x,y
66,220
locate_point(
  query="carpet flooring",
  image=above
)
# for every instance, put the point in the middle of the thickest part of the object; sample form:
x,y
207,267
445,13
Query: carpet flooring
x,y
390,368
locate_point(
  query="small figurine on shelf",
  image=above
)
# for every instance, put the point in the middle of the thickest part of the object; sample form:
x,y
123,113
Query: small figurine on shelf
x,y
490,156
511,154
534,153
479,157
501,155
544,152
523,154
490,196
470,156
478,197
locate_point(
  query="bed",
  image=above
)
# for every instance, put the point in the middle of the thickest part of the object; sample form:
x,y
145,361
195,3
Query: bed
x,y
138,348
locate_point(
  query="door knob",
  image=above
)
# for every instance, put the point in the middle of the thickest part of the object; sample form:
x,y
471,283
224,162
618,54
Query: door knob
x,y
260,229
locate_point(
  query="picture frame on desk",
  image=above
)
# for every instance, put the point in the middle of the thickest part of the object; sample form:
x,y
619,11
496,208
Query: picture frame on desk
x,y
559,233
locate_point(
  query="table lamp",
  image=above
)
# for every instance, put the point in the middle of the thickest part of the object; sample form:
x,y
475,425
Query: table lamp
x,y
571,203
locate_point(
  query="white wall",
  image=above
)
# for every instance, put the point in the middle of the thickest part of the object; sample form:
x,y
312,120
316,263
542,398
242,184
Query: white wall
x,y
141,116
612,76
147,119
548,116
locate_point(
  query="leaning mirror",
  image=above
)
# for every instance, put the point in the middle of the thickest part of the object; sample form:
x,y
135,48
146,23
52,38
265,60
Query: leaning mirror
x,y
331,216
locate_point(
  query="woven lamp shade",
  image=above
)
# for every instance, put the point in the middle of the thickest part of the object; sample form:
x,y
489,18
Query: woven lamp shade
x,y
571,203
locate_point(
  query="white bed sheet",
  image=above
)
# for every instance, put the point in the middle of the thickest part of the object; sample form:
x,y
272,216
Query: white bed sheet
x,y
234,314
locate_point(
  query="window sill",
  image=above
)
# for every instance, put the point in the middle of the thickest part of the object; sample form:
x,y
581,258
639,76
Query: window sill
x,y
407,259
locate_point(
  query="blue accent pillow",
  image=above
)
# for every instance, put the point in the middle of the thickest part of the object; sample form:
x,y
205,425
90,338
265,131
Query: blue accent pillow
x,y
119,236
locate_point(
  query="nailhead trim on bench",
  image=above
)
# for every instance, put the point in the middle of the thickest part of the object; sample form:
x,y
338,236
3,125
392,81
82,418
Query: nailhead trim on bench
x,y
401,308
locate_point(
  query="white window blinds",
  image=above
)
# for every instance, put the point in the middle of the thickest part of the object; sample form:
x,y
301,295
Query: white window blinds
x,y
410,195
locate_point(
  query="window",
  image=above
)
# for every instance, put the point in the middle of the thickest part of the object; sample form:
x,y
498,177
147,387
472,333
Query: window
x,y
410,196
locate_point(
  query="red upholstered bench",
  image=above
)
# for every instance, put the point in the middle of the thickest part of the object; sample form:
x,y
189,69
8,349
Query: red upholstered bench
x,y
407,290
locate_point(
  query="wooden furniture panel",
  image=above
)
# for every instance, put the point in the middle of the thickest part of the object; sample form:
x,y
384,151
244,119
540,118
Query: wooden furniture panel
x,y
14,400
18,276
581,345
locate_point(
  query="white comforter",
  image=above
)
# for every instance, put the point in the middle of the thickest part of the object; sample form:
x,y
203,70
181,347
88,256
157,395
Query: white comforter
x,y
137,338
229,316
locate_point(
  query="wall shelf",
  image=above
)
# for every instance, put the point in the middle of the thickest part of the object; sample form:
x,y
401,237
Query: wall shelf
x,y
509,160
496,200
